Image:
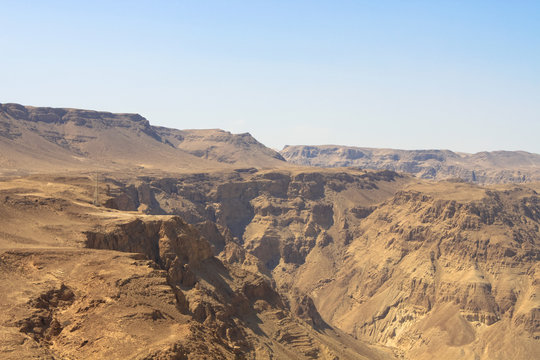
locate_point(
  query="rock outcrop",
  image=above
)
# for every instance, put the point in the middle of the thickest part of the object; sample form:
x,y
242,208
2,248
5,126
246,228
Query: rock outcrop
x,y
483,167
164,241
381,257
203,245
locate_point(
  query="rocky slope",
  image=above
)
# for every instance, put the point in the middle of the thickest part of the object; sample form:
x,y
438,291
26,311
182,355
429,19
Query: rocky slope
x,y
51,140
445,278
201,245
153,290
436,270
222,146
483,167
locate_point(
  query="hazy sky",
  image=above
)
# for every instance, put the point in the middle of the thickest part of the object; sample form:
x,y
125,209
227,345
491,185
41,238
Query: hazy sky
x,y
461,75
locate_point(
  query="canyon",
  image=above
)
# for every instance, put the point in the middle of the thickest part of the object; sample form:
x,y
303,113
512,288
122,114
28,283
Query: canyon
x,y
122,239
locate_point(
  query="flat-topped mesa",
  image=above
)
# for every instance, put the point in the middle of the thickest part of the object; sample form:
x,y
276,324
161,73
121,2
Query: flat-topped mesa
x,y
48,139
483,167
85,118
353,153
63,115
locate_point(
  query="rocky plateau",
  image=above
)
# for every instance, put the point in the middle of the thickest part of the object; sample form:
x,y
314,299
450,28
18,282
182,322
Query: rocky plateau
x,y
123,240
485,167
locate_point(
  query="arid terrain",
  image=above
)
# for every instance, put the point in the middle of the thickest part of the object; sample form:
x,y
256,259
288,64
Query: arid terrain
x,y
119,239
493,167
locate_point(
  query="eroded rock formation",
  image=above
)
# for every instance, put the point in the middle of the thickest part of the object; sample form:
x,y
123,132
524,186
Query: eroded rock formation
x,y
483,167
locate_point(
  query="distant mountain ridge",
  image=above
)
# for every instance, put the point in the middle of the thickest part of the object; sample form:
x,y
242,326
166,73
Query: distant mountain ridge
x,y
43,139
482,167
53,139
202,244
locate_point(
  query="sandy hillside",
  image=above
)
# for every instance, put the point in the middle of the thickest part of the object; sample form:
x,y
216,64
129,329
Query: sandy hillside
x,y
53,140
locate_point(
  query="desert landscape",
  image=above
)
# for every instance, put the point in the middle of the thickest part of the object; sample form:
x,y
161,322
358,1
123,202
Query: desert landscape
x,y
124,240
495,167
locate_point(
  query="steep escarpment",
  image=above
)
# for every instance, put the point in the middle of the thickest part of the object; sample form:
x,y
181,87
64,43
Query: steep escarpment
x,y
277,216
201,244
145,287
483,167
164,241
427,275
232,305
446,270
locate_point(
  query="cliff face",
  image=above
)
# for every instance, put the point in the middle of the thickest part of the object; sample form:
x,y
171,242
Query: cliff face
x,y
275,215
223,299
193,253
79,117
82,281
420,263
426,268
434,270
164,241
484,167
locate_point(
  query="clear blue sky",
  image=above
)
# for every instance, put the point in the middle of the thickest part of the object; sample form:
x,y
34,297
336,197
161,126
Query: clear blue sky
x,y
461,75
